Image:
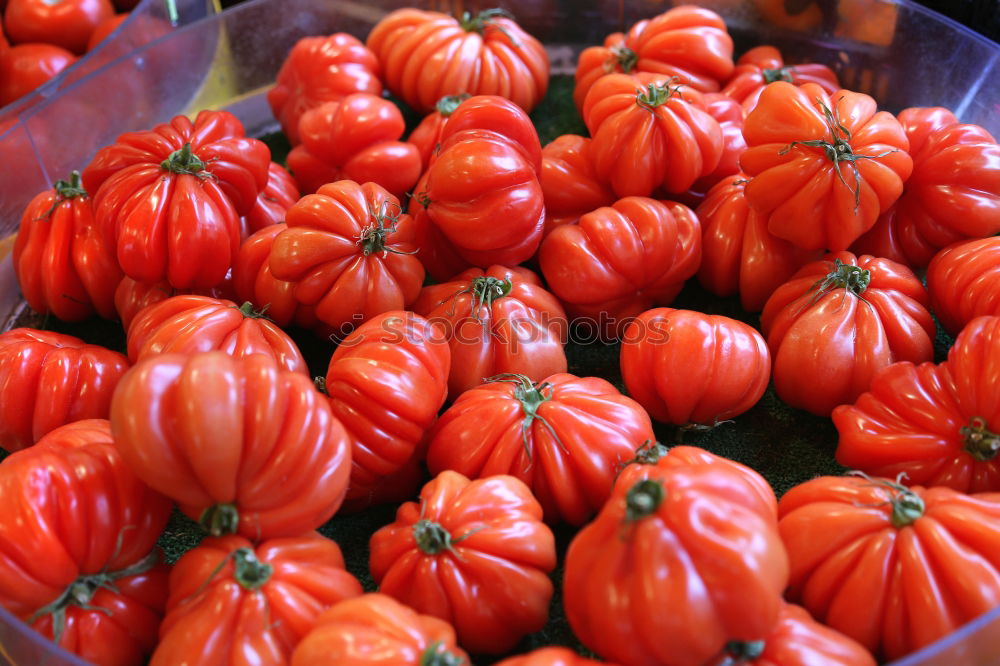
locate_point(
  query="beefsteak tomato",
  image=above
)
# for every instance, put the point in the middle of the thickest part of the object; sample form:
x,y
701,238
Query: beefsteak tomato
x,y
963,281
570,186
132,297
763,65
277,197
65,23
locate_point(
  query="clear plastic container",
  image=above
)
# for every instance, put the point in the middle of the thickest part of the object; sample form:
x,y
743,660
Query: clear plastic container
x,y
901,53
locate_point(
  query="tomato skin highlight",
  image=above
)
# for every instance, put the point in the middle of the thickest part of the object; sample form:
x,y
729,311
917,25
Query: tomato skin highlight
x,y
24,67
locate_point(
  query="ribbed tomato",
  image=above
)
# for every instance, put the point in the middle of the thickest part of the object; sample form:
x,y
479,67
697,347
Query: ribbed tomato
x,y
570,186
234,603
840,320
427,135
427,55
739,254
62,263
564,436
824,166
277,197
349,250
132,297
473,553
169,199
377,630
763,65
621,260
685,367
242,445
496,321
963,281
77,539
319,70
191,324
687,538
891,567
50,379
688,42
387,381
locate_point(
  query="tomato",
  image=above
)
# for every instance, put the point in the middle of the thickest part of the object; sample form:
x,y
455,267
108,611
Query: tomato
x,y
62,263
550,656
191,324
685,367
235,603
169,199
319,70
963,282
496,321
972,363
104,30
356,138
564,436
796,640
349,250
78,533
729,115
375,629
619,261
824,166
25,67
649,134
483,196
473,553
893,568
132,297
763,65
427,135
570,186
501,116
427,55
688,42
685,538
840,320
739,254
64,23
953,194
240,444
273,201
386,382
50,379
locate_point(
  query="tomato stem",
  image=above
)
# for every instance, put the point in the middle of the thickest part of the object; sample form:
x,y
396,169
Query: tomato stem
x,y
852,279
449,103
532,397
486,18
381,224
184,161
320,383
65,190
623,57
248,310
220,519
781,74
431,537
655,95
740,652
649,453
980,443
907,506
643,499
436,655
248,571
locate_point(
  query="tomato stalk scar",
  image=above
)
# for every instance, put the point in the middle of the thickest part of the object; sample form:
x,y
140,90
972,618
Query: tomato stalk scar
x,y
980,443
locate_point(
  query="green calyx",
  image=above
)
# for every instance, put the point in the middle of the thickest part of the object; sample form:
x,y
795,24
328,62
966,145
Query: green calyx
x,y
980,443
622,57
642,499
248,571
649,453
431,537
907,506
184,161
852,279
772,75
381,223
741,652
532,397
655,95
478,22
437,655
70,189
447,105
220,519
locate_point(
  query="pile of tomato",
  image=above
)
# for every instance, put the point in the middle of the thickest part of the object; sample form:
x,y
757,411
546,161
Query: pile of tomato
x,y
450,267
40,38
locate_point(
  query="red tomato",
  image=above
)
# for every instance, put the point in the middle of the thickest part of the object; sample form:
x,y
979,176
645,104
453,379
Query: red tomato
x,y
78,532
685,538
169,199
824,166
688,42
319,70
387,382
473,553
104,30
796,640
972,363
565,437
763,65
499,115
739,254
963,281
685,367
953,194
437,254
374,630
349,250
550,656
62,263
64,23
427,135
356,138
893,568
913,420
234,603
427,55
132,297
26,66
649,134
496,321
50,379
729,115
619,261
837,322
240,444
570,186
273,201
192,324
